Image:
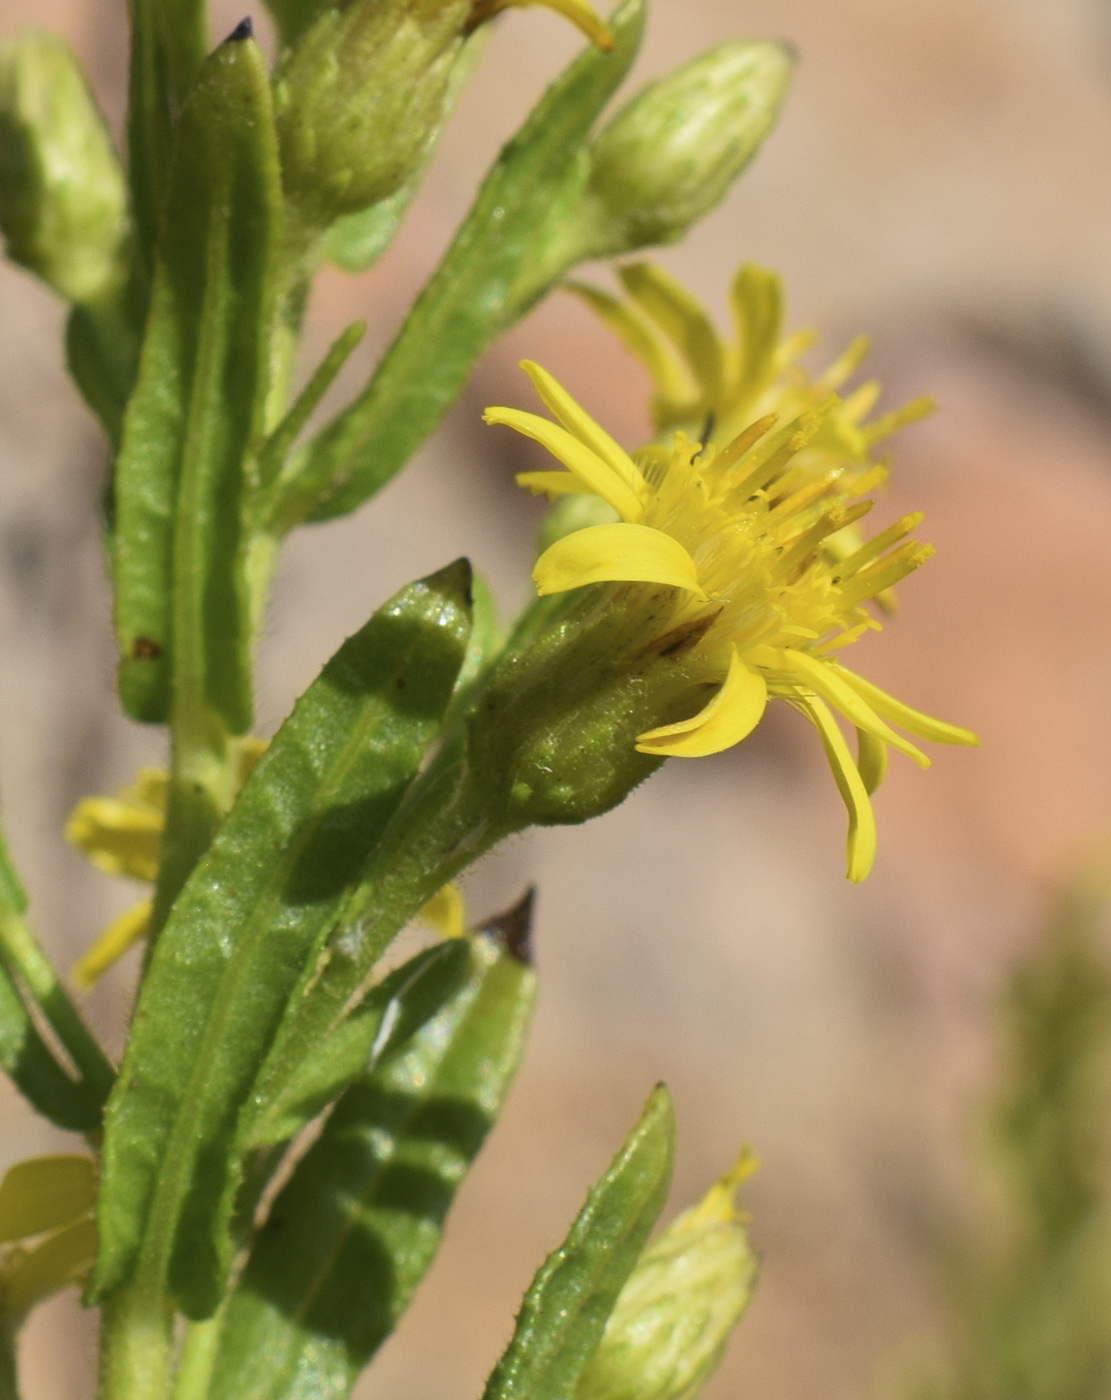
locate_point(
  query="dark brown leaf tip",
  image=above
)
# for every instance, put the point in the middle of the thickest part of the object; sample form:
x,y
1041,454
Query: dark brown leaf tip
x,y
513,929
245,29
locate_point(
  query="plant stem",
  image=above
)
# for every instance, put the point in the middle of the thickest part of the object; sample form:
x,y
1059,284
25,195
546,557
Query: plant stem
x,y
23,955
198,1356
136,1347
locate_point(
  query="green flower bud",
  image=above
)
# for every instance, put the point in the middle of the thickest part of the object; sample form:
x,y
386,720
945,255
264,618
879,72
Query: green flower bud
x,y
675,1314
673,152
358,99
63,202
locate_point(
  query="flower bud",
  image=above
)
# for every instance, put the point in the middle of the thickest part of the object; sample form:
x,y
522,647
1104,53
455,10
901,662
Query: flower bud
x,y
358,99
63,201
673,1318
673,152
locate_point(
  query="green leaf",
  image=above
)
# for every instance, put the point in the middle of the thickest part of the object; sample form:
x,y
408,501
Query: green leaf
x,y
198,406
477,292
392,1012
250,921
565,1311
32,1068
357,1226
169,40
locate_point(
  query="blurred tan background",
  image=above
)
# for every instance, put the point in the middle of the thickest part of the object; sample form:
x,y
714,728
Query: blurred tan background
x,y
941,178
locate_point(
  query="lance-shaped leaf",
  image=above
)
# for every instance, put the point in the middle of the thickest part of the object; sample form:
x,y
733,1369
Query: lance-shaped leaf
x,y
197,410
357,1226
24,1054
249,922
32,1068
474,295
565,1311
169,39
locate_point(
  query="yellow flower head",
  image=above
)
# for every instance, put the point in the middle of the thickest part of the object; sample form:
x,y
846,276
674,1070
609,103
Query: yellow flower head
x,y
727,551
713,389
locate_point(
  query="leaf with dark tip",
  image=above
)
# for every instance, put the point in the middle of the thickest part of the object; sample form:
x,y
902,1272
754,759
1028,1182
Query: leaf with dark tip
x,y
250,921
197,411
357,1226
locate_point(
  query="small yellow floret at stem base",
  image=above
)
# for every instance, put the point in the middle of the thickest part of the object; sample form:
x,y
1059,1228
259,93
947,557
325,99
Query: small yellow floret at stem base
x,y
718,1204
446,913
120,935
731,716
577,11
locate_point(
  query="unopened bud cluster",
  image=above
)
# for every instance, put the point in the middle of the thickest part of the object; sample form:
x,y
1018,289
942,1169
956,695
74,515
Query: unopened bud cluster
x,y
63,205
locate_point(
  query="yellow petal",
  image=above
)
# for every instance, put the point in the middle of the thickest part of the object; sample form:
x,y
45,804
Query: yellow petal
x,y
118,836
871,760
861,845
120,935
683,320
446,913
615,554
830,685
640,338
45,1193
594,472
577,11
731,716
63,1258
580,424
550,483
757,298
925,726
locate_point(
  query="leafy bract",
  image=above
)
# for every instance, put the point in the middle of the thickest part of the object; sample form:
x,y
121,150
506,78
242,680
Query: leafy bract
x,y
251,920
197,411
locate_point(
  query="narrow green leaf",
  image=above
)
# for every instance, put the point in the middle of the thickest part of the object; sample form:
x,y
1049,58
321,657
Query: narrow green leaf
x,y
32,1068
251,920
282,438
197,409
472,297
565,1311
392,1012
357,1226
169,39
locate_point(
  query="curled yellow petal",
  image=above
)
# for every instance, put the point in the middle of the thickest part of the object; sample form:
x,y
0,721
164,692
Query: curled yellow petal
x,y
824,678
118,835
731,716
45,1193
641,339
577,11
757,304
683,319
615,554
861,844
594,472
120,935
550,484
936,731
580,424
871,760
